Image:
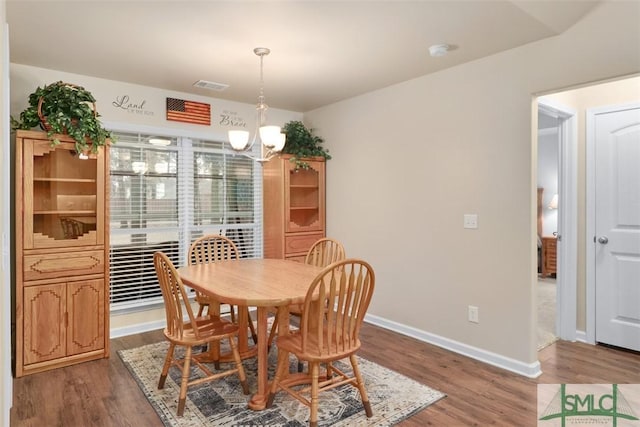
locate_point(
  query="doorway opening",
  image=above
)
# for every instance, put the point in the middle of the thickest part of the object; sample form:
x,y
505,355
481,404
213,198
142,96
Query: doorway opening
x,y
576,247
555,288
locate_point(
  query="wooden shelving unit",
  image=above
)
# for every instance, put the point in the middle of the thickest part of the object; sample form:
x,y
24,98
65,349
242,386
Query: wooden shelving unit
x,y
62,253
294,207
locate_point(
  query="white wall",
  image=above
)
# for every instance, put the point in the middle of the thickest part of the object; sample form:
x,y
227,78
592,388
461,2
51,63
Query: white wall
x,y
548,146
411,159
148,115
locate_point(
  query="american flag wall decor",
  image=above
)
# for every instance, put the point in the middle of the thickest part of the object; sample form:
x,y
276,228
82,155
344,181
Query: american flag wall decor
x,y
180,110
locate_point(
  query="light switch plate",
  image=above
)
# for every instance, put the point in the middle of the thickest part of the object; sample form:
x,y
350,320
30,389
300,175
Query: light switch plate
x,y
470,221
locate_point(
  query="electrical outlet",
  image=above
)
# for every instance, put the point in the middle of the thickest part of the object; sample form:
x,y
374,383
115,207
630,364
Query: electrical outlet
x,y
474,316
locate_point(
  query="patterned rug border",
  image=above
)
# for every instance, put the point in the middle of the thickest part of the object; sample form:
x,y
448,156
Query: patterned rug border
x,y
167,415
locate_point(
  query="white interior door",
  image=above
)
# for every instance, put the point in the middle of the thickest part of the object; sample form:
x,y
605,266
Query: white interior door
x,y
617,227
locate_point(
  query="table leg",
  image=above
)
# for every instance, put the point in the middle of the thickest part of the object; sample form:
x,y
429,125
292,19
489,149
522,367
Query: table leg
x,y
243,325
259,400
213,354
246,351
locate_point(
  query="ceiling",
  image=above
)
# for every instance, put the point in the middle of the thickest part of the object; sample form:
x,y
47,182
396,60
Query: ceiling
x,y
321,51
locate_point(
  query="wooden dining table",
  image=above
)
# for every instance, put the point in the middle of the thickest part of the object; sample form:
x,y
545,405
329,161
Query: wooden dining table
x,y
260,283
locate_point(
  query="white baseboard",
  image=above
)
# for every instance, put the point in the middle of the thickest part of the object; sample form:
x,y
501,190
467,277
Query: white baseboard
x,y
581,336
530,370
138,328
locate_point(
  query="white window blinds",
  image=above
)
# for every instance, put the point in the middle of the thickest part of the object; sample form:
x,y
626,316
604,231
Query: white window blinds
x,y
164,197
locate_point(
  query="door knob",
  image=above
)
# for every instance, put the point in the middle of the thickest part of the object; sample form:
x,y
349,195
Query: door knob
x,y
603,239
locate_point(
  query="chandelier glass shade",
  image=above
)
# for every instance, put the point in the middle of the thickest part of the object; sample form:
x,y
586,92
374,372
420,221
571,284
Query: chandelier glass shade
x,y
271,138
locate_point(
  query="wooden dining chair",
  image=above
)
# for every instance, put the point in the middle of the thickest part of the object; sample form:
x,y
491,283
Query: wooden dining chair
x,y
71,228
322,253
208,249
196,331
332,314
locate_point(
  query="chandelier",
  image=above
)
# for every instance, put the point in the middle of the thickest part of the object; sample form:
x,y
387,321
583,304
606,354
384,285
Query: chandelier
x,y
272,140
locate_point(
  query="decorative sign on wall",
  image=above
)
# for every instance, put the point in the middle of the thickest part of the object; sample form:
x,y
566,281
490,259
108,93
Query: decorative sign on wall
x,y
134,107
231,119
179,110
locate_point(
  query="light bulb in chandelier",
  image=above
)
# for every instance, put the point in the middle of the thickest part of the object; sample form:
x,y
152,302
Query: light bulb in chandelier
x,y
272,138
238,139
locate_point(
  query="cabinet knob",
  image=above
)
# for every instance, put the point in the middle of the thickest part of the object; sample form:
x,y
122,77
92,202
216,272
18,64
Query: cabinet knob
x,y
603,239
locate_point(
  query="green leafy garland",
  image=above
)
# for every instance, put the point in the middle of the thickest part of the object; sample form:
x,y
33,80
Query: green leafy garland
x,y
67,109
302,143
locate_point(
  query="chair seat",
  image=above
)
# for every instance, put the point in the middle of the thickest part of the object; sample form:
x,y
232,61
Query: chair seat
x,y
208,329
293,344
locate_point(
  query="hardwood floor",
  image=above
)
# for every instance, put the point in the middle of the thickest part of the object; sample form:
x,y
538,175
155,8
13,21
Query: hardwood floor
x,y
103,393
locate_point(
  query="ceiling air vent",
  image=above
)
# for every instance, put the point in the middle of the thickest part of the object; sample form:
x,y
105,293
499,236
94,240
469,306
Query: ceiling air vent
x,y
219,87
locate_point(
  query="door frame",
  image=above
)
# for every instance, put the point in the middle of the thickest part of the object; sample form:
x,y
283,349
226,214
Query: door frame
x,y
6,392
567,254
590,237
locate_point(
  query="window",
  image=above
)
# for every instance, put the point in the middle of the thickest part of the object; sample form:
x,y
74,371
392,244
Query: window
x,y
163,198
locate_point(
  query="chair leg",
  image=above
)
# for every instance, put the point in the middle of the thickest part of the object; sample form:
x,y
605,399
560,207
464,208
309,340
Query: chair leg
x,y
167,364
282,367
201,309
185,380
314,368
272,333
254,335
360,385
236,358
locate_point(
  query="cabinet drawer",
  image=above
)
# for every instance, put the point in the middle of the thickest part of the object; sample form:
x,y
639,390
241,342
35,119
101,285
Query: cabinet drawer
x,y
300,243
51,266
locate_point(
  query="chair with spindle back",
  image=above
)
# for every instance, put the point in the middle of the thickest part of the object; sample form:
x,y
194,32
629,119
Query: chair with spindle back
x,y
196,331
71,228
322,253
332,314
208,249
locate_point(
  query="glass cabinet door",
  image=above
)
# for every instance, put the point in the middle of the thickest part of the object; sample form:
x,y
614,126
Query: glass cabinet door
x,y
63,205
305,198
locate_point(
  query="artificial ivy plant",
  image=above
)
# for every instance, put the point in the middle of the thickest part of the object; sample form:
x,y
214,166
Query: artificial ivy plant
x,y
302,143
65,109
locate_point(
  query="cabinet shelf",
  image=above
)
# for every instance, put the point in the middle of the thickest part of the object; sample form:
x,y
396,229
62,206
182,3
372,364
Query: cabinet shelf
x,y
65,212
303,186
75,180
303,208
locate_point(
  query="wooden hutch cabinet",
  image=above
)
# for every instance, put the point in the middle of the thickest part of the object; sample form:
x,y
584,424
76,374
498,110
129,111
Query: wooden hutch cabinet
x,y
294,207
62,253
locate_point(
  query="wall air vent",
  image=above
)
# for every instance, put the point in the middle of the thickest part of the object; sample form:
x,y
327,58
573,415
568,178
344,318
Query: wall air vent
x,y
218,87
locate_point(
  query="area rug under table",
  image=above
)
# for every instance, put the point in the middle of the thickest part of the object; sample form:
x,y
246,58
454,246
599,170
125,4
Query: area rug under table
x,y
393,397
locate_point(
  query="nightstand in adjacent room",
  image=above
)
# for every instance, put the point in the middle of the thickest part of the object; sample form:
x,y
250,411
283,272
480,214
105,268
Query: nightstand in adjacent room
x,y
549,246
